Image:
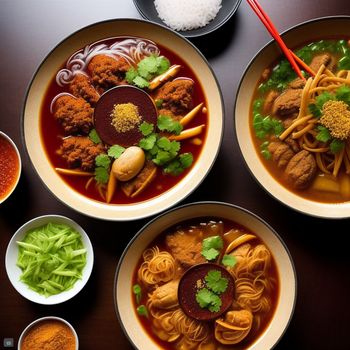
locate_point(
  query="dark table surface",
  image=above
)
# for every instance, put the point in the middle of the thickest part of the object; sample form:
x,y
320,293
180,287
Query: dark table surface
x,y
28,30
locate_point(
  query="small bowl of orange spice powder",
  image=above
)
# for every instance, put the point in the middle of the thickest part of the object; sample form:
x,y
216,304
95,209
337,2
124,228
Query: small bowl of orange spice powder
x,y
10,166
49,333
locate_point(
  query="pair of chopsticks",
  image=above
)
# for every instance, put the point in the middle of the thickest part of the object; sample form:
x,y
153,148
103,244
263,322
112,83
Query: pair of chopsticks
x,y
290,55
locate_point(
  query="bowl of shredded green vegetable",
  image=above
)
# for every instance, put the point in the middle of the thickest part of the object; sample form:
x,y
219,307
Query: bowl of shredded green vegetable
x,y
49,259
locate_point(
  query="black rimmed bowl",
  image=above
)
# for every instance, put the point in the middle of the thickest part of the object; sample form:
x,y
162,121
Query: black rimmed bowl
x,y
129,261
229,7
53,62
317,29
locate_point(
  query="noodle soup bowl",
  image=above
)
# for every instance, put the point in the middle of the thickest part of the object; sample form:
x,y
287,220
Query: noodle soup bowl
x,y
33,132
124,298
298,36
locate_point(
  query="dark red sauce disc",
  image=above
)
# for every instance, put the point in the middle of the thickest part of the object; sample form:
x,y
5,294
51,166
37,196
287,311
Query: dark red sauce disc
x,y
188,289
120,95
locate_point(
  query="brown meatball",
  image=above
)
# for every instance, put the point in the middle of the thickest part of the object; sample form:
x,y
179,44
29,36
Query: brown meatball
x,y
301,170
288,102
74,114
318,60
271,96
107,71
80,152
176,96
281,153
297,83
81,87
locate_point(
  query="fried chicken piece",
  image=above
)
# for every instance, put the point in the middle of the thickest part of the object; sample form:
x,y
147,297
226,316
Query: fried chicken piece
x,y
74,114
107,71
81,86
176,96
80,152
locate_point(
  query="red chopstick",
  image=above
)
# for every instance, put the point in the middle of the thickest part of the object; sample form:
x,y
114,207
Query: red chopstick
x,y
303,64
273,31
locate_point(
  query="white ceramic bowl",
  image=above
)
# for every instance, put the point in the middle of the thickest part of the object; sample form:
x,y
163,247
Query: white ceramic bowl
x,y
14,272
297,36
53,62
43,319
6,137
130,258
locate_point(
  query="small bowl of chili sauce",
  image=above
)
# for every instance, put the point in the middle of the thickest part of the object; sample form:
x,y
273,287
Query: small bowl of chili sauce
x,y
10,166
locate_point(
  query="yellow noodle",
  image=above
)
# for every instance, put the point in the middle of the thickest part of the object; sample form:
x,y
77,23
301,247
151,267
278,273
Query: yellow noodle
x,y
295,123
335,79
316,150
317,77
320,164
304,98
303,131
347,163
338,161
324,88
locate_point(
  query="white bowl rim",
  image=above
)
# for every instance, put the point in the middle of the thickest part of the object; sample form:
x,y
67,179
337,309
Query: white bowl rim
x,y
188,42
41,319
12,143
271,42
89,264
199,203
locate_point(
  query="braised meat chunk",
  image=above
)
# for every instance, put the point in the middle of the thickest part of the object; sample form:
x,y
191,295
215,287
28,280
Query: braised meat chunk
x,y
176,96
288,102
74,114
107,71
186,248
80,152
270,98
281,153
325,59
301,170
81,86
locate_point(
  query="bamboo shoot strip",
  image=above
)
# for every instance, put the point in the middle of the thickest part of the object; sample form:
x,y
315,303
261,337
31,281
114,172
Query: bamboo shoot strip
x,y
52,258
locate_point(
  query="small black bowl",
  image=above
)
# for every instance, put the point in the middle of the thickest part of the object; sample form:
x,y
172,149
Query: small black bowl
x,y
228,8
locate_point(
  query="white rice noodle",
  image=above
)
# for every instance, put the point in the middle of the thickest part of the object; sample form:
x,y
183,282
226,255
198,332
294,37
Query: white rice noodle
x,y
187,14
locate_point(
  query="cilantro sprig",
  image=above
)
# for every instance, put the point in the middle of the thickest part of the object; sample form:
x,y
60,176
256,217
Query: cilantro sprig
x,y
102,162
208,297
162,151
147,69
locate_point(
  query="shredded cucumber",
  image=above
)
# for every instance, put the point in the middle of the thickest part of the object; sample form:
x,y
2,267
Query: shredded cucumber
x,y
52,258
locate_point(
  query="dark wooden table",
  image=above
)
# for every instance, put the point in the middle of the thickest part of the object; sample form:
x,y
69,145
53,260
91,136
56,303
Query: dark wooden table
x,y
28,30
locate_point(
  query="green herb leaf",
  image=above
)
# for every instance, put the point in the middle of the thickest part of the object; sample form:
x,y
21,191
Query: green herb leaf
x,y
159,103
204,297
265,126
216,282
229,260
101,175
336,145
323,98
140,82
215,242
116,151
210,254
102,160
163,64
148,142
147,66
343,94
146,128
173,168
314,110
138,292
130,75
215,304
142,310
323,134
166,123
186,160
93,136
164,143
162,157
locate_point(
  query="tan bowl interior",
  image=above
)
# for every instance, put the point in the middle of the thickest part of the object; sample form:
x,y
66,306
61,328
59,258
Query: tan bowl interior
x,y
49,68
315,30
284,309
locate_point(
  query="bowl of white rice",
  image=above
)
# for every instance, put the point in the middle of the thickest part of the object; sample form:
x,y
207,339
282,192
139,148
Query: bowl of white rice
x,y
190,18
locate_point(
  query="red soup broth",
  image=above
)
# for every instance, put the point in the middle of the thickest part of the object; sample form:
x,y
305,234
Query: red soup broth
x,y
9,167
51,135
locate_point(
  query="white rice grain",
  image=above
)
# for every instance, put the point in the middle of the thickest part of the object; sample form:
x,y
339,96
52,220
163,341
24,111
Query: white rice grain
x,y
187,14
